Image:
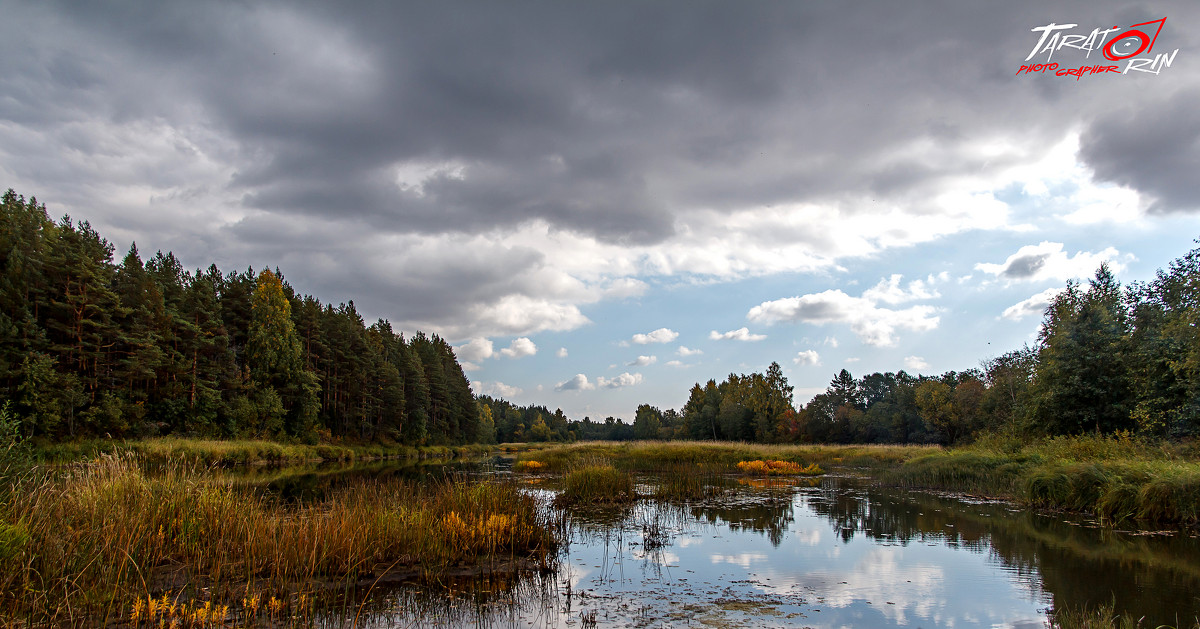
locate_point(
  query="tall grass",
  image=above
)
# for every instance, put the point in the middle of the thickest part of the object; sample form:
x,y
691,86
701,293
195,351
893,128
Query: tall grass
x,y
659,455
245,451
1104,616
597,483
106,534
1117,478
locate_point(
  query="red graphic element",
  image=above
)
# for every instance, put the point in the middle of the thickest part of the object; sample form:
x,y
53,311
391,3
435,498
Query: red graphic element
x,y
1147,42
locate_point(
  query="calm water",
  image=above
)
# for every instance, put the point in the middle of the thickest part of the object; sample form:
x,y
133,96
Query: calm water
x,y
844,553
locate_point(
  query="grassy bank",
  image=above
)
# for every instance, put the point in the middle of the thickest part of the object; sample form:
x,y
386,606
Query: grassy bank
x,y
244,451
105,539
658,456
1119,478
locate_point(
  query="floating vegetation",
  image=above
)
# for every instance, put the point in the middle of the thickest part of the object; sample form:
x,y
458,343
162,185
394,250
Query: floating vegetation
x,y
528,466
779,468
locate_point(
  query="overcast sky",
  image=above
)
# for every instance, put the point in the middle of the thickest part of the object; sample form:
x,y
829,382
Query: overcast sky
x,y
602,203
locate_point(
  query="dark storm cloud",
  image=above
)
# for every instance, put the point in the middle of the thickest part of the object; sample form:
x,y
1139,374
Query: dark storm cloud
x,y
299,133
1024,267
1155,150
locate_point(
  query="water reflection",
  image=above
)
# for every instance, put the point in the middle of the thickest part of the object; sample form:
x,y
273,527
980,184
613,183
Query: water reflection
x,y
786,553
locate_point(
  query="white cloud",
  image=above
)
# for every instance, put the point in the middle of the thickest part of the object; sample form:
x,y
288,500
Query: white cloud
x,y
873,325
807,357
661,335
624,380
578,383
469,366
519,348
475,350
625,287
675,363
495,389
642,361
831,341
561,353
915,363
1033,306
1047,261
740,334
889,291
685,351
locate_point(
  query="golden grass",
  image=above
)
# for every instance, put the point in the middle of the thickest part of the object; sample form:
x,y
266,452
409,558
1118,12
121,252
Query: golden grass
x,y
759,467
246,451
660,455
106,535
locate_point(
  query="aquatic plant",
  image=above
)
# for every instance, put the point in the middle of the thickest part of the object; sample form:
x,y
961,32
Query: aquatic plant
x,y
597,483
528,466
102,536
779,468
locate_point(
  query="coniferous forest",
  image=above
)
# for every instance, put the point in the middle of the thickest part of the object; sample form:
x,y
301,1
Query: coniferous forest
x,y
93,347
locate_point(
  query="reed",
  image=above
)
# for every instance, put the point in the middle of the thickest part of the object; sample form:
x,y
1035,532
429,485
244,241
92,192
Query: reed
x,y
1104,616
658,455
105,535
597,483
1116,478
759,467
230,452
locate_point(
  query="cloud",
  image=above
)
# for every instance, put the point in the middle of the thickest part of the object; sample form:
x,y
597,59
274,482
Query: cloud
x,y
685,351
661,335
1047,261
873,325
495,389
624,380
915,363
831,341
740,334
519,348
578,383
675,363
1158,154
1033,306
475,350
561,353
642,361
807,357
888,291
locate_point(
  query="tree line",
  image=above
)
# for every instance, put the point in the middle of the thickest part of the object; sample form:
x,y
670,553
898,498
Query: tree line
x,y
1108,358
89,347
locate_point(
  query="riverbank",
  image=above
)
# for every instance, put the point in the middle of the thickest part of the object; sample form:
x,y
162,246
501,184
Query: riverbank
x,y
1118,478
246,451
105,540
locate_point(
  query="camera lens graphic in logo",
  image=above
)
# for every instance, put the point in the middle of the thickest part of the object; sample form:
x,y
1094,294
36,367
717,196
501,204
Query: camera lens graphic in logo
x,y
1132,42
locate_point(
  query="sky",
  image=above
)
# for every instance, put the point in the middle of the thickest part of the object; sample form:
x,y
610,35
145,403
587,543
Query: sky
x,y
600,204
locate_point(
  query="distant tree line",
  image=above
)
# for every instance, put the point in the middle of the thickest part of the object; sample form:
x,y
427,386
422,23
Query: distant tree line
x,y
1107,359
89,347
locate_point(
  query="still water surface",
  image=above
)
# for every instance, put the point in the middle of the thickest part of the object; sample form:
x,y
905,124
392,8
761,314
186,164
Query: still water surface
x,y
842,553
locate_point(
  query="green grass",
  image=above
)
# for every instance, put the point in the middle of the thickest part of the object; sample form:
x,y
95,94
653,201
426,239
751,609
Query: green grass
x,y
1104,617
88,544
597,483
1116,478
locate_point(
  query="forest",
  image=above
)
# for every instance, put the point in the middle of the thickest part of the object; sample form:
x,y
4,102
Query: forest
x,y
93,348
1108,359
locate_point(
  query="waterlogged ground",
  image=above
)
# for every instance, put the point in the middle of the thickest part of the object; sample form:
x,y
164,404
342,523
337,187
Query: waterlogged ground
x,y
843,553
